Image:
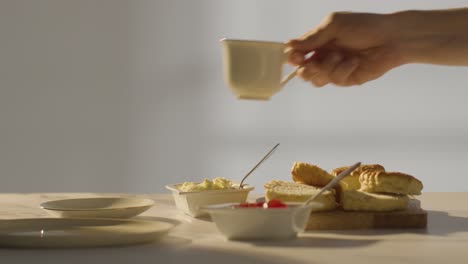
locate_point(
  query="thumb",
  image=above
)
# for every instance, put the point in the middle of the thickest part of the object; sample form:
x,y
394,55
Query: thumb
x,y
312,40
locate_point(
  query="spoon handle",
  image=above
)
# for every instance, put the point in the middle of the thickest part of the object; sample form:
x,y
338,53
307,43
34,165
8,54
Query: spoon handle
x,y
333,182
258,164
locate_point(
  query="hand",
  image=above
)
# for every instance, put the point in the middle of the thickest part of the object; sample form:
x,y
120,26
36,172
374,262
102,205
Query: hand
x,y
346,49
353,48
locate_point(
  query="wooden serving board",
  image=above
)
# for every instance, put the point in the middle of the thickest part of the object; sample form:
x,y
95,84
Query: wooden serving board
x,y
412,217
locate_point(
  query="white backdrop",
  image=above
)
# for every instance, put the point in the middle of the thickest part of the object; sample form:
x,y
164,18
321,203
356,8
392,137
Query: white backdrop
x,y
127,96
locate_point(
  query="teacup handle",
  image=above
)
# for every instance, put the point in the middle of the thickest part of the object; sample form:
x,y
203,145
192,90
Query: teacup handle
x,y
291,75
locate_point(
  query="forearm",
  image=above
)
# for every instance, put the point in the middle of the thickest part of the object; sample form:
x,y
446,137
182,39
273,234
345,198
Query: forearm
x,y
436,37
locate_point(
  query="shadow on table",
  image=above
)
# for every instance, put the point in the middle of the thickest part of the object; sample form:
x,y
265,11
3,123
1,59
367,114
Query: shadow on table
x,y
316,242
160,252
206,218
439,224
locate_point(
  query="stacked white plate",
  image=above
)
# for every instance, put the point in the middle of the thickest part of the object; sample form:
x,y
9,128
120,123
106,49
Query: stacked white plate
x,y
86,222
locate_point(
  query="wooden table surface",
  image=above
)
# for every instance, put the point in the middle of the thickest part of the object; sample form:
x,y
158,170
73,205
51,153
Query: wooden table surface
x,y
197,241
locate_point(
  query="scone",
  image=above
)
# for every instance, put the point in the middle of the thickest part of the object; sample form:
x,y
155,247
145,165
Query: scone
x,y
351,182
389,182
352,200
298,192
310,174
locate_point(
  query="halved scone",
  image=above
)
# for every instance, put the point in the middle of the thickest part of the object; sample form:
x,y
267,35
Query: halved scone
x,y
298,192
389,182
351,182
310,174
352,200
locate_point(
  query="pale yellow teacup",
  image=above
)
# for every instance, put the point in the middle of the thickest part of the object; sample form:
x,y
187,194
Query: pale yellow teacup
x,y
253,69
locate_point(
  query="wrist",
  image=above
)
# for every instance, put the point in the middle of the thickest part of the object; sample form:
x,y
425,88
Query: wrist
x,y
410,35
429,36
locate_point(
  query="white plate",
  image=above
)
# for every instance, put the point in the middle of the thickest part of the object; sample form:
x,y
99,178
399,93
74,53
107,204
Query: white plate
x,y
113,207
75,232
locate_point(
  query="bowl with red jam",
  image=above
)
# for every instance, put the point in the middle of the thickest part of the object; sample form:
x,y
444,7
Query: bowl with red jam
x,y
261,220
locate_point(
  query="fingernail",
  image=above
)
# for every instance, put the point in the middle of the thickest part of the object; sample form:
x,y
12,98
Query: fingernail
x,y
293,42
320,82
301,72
305,73
297,59
311,70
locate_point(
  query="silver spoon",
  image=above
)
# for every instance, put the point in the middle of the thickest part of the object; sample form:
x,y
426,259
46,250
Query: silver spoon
x,y
333,182
258,164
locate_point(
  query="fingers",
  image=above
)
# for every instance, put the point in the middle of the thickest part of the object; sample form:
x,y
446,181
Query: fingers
x,y
318,72
312,72
296,58
333,68
313,40
327,66
309,71
342,72
305,46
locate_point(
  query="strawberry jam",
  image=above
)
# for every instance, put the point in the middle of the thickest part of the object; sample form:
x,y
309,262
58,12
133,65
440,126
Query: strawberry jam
x,y
245,205
275,203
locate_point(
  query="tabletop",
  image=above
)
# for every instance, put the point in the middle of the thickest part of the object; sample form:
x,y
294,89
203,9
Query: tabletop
x,y
198,241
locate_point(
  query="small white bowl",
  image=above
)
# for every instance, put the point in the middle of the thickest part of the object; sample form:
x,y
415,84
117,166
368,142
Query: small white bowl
x,y
247,223
113,207
191,202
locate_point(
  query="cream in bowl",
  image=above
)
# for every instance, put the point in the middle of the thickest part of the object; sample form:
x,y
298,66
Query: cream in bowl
x,y
207,185
261,221
190,196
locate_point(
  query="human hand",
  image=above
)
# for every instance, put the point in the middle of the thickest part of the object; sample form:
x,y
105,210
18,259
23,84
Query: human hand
x,y
347,49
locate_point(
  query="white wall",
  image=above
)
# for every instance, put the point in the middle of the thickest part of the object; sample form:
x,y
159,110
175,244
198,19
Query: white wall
x,y
127,96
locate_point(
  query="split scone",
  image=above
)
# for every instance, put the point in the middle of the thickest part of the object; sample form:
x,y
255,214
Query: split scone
x,y
310,174
353,200
298,192
389,182
351,182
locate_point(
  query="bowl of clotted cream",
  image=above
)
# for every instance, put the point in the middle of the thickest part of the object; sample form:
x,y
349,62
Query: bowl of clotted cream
x,y
189,197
